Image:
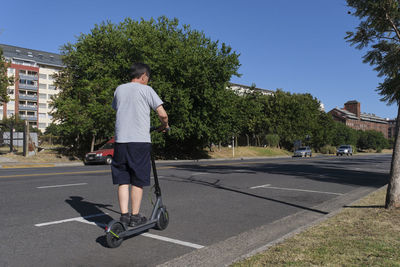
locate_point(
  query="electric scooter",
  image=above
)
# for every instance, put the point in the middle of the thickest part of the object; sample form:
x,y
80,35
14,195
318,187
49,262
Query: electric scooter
x,y
159,219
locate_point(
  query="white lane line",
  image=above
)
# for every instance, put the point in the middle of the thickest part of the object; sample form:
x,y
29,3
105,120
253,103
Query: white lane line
x,y
267,186
260,186
171,240
60,185
76,219
84,220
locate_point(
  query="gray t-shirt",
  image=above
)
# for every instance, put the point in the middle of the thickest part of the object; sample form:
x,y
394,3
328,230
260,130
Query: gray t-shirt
x,y
132,102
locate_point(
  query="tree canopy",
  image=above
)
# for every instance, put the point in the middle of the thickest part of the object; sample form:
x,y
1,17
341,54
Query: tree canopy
x,y
5,81
190,72
379,31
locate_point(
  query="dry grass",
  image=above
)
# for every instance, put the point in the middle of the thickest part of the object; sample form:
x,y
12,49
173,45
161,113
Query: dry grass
x,y
365,234
244,151
48,155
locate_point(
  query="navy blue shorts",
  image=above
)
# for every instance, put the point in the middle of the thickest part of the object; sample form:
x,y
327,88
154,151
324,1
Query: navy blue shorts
x,y
131,164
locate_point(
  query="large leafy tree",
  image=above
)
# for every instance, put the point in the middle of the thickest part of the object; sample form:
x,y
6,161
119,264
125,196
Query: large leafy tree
x,y
190,72
5,81
379,31
296,117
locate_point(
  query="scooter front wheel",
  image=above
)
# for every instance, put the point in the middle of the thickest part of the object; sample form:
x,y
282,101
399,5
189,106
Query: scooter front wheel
x,y
112,236
162,218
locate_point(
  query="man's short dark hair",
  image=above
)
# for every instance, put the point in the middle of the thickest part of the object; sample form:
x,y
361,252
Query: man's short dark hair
x,y
138,69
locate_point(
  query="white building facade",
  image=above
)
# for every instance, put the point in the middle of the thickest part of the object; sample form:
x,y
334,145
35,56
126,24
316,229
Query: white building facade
x,y
30,96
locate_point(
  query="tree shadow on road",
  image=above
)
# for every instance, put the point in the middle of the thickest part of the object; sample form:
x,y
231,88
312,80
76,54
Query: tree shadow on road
x,y
92,213
217,185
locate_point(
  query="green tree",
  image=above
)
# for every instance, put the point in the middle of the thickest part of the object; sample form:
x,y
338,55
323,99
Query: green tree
x,y
5,81
190,72
344,135
379,31
294,117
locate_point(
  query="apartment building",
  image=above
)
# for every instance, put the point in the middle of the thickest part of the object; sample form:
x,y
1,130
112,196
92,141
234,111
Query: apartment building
x,y
31,93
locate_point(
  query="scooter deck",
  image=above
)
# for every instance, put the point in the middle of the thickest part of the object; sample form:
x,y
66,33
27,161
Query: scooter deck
x,y
138,229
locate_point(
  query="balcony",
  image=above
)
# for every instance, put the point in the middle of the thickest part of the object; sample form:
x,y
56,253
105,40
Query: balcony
x,y
28,118
28,87
27,107
28,77
28,97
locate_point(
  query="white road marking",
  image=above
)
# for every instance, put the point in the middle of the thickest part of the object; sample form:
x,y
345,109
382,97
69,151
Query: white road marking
x,y
84,220
171,240
76,219
267,186
61,185
260,186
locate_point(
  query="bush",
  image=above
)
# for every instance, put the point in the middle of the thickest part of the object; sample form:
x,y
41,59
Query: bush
x,y
327,149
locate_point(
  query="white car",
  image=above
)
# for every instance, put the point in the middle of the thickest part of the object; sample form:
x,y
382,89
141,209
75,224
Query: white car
x,y
344,150
303,151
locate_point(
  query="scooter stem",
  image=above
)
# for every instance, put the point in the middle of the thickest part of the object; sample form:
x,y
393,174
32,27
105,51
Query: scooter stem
x,y
157,189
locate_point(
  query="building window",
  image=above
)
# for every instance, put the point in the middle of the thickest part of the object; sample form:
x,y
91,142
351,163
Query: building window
x,y
52,87
42,115
42,125
42,105
42,86
49,116
43,76
11,71
10,91
32,73
42,96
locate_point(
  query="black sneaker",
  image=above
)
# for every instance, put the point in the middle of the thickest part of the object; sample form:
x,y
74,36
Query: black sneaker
x,y
125,219
137,219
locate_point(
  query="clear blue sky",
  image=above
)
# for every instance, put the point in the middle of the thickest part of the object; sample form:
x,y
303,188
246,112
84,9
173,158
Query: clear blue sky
x,y
294,45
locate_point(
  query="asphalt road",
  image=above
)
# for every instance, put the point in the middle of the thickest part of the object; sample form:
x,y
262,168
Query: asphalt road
x,y
219,210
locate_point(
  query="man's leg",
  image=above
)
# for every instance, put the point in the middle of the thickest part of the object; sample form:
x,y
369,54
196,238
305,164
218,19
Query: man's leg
x,y
136,197
123,198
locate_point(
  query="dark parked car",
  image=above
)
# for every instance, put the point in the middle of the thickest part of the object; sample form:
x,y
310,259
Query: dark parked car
x,y
102,155
344,150
303,151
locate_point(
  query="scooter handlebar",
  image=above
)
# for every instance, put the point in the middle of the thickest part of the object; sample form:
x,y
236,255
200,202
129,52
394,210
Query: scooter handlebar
x,y
159,129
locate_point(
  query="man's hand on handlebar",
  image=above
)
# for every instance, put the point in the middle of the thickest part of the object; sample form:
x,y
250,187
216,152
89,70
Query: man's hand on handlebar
x,y
159,129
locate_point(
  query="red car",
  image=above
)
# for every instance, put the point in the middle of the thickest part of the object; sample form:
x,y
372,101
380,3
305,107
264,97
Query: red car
x,y
102,155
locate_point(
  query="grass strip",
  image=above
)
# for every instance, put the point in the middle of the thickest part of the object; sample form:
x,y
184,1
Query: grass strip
x,y
363,234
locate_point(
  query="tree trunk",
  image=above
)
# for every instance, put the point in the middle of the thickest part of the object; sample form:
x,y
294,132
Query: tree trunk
x,y
248,140
393,189
93,140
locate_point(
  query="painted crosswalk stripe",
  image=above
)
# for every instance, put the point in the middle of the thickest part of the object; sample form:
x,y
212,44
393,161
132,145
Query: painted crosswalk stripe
x,y
60,185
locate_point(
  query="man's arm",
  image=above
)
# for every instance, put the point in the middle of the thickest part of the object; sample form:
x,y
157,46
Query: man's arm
x,y
162,115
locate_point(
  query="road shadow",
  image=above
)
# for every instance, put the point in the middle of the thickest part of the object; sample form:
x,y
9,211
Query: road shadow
x,y
322,171
215,184
92,213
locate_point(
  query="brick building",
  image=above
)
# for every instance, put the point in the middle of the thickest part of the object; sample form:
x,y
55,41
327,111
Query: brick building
x,y
352,116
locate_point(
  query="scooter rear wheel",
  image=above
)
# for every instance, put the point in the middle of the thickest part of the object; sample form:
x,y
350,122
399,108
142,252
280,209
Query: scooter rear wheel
x,y
162,218
113,241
